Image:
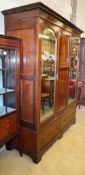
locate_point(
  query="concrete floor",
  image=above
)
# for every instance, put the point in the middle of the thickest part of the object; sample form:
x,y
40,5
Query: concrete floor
x,y
65,157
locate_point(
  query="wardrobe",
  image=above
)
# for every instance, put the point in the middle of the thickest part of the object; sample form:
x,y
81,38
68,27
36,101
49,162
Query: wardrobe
x,y
49,54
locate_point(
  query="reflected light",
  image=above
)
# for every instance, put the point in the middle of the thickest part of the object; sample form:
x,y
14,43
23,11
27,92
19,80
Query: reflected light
x,y
4,52
44,36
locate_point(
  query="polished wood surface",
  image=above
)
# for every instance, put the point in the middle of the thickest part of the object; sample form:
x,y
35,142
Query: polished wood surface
x,y
43,8
28,23
63,51
27,62
47,85
27,71
47,135
62,90
8,126
63,72
27,100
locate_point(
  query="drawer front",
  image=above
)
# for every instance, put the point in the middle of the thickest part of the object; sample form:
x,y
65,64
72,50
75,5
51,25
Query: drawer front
x,y
47,134
67,117
8,126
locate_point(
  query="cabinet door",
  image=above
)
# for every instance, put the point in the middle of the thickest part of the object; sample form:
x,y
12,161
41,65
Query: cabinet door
x,y
9,87
47,71
8,76
73,68
62,72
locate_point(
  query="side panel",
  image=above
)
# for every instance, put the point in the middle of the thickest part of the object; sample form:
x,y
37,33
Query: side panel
x,y
27,100
62,89
63,72
27,72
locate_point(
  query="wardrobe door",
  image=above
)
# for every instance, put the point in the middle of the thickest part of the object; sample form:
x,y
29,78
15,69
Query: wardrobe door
x,y
73,69
47,73
63,54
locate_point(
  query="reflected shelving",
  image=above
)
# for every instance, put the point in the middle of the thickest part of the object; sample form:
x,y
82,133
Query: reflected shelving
x,y
7,81
3,91
73,68
5,110
48,57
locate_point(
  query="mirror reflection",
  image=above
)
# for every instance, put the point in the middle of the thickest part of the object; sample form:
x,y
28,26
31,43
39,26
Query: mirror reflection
x,y
73,68
47,73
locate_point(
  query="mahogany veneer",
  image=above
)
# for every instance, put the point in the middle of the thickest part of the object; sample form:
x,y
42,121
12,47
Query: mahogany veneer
x,y
28,22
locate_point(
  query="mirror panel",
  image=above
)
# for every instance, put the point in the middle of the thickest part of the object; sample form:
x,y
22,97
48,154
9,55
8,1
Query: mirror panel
x,y
48,57
73,68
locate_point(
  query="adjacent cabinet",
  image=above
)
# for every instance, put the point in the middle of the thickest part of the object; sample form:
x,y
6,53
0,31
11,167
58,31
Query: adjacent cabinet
x,y
9,87
48,79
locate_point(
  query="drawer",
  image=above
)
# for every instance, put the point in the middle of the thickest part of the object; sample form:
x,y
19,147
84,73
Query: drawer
x,y
48,133
8,126
67,117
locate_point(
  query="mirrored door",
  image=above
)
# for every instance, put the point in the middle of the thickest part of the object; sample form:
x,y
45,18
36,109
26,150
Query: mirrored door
x,y
48,59
73,68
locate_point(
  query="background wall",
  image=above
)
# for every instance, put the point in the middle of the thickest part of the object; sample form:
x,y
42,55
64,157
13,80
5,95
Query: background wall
x,y
63,7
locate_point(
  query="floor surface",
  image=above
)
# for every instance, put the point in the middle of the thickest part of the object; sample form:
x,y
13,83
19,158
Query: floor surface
x,y
65,157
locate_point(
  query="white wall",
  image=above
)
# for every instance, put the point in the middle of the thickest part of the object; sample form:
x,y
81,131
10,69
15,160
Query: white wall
x,y
81,16
63,7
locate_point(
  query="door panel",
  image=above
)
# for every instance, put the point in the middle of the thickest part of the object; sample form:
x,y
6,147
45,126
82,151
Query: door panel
x,y
63,52
28,49
62,90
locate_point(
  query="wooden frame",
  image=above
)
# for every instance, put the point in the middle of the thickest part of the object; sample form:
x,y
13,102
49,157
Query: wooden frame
x,y
27,22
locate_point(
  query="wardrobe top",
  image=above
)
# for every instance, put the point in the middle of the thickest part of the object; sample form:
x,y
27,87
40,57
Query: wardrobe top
x,y
43,7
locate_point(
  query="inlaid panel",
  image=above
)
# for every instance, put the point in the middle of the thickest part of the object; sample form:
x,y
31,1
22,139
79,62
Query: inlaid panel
x,y
28,49
27,100
8,126
63,50
62,89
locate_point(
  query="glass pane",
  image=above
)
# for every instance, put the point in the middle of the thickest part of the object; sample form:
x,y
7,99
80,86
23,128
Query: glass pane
x,y
11,81
73,68
3,55
47,73
7,81
2,100
2,86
